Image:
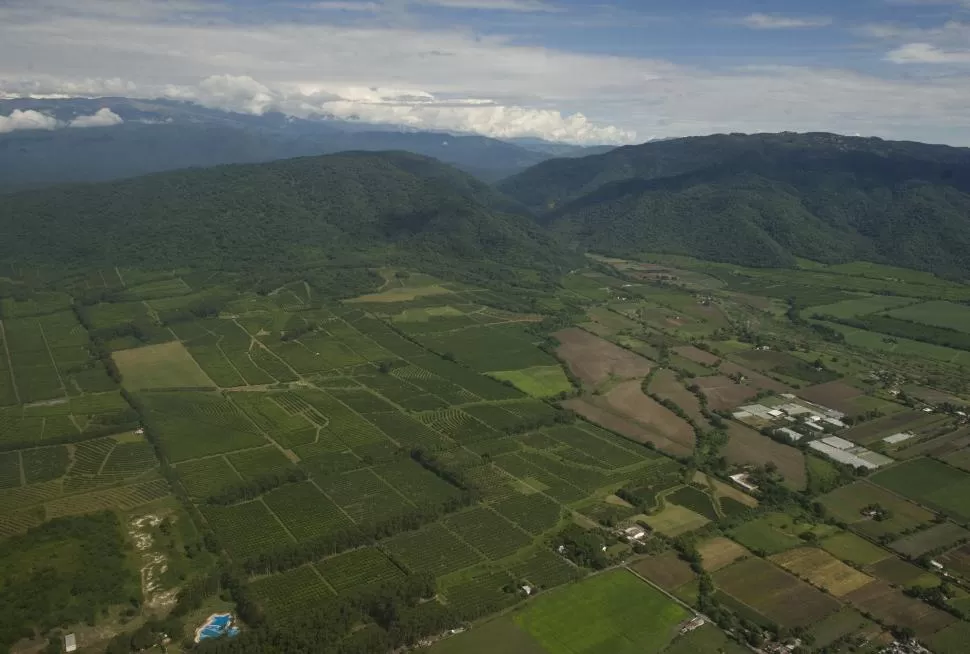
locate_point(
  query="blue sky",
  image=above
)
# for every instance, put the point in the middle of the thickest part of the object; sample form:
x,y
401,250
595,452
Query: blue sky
x,y
572,70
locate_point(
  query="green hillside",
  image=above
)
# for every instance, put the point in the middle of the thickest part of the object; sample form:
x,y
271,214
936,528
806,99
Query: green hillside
x,y
763,200
351,206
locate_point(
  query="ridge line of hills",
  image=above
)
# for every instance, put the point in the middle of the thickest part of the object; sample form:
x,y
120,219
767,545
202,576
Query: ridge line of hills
x,y
759,200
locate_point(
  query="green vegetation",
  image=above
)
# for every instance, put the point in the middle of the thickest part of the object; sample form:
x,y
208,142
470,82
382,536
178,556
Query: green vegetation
x,y
541,381
612,612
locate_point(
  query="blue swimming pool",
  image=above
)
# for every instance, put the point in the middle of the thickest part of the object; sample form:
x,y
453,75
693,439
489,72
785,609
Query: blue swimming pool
x,y
218,625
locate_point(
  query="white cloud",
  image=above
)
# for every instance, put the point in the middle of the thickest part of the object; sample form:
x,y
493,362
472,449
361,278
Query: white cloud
x,y
925,53
24,120
453,79
344,5
103,117
775,22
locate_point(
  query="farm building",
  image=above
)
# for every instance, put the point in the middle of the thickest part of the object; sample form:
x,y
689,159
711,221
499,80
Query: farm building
x,y
70,643
899,438
792,435
635,533
847,452
742,480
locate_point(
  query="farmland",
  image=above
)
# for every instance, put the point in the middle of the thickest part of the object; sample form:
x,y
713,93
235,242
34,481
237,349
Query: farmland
x,y
614,612
420,439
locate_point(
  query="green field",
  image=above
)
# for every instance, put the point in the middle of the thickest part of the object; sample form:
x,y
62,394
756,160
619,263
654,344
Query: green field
x,y
932,484
612,613
167,365
937,314
540,381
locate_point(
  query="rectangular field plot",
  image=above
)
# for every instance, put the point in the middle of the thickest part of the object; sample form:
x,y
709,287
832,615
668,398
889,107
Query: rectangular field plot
x,y
408,432
546,569
853,549
780,597
417,484
246,530
290,593
939,536
267,411
603,449
363,401
121,498
364,496
207,477
258,462
847,503
539,381
458,425
485,593
487,348
891,606
705,640
533,513
675,520
167,365
614,612
341,423
822,570
666,570
432,549
720,552
936,314
358,568
305,511
932,484
487,532
193,425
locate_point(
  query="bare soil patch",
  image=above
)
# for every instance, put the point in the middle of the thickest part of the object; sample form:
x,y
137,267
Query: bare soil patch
x,y
834,395
628,399
723,392
632,430
595,360
748,447
891,606
697,355
666,386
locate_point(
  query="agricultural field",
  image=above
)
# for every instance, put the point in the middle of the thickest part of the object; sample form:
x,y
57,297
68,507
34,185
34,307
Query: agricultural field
x,y
538,381
327,449
846,504
932,484
613,612
777,595
166,365
936,314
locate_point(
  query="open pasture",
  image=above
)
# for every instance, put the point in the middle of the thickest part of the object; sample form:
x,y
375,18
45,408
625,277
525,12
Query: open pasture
x,y
902,573
944,535
860,306
594,360
487,349
614,612
847,503
946,315
891,606
674,520
779,596
770,534
951,640
628,428
930,483
748,447
537,381
705,640
822,570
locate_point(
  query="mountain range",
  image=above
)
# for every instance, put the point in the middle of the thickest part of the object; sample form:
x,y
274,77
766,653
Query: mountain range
x,y
157,135
758,200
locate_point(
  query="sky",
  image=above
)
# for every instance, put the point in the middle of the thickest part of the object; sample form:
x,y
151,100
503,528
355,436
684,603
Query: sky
x,y
601,71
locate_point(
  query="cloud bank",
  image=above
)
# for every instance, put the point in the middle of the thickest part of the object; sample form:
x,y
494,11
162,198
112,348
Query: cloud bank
x,y
35,120
773,22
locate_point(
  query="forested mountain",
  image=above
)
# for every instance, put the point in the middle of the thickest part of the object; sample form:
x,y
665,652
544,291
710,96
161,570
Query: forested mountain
x,y
160,135
763,199
351,206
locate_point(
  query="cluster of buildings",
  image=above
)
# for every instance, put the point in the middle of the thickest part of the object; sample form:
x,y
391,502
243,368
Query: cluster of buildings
x,y
847,452
812,419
